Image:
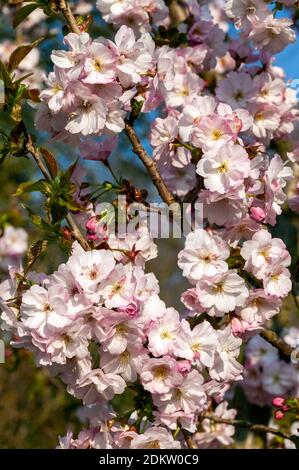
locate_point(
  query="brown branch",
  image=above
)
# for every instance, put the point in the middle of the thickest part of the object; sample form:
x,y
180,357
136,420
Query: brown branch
x,y
177,12
150,165
272,338
192,195
188,439
65,9
37,158
253,427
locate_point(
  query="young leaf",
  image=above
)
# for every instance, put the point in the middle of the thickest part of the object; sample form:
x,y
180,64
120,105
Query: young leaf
x,y
66,175
50,162
23,12
29,187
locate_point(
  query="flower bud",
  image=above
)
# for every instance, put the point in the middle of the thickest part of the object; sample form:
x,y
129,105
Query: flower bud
x,y
278,402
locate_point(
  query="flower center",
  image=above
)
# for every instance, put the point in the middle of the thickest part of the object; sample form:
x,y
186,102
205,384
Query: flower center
x,y
216,134
239,95
153,445
160,373
166,335
98,66
223,167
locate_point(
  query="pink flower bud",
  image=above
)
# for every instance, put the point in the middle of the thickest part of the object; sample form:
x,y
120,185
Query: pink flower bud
x,y
278,402
132,309
257,214
91,224
184,366
278,415
237,327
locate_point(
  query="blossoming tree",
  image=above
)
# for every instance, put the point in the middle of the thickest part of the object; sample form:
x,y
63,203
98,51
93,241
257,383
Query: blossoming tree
x,y
223,137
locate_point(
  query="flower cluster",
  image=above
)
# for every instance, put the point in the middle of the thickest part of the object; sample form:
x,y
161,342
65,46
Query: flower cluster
x,y
219,290
266,375
103,297
268,34
93,83
138,14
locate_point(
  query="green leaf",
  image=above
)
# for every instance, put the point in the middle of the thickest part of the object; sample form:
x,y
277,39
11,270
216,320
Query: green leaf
x,y
20,53
23,12
29,187
66,175
34,252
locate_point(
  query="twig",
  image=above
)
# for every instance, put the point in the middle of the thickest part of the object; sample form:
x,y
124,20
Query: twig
x,y
272,338
253,427
188,439
153,171
65,9
150,165
76,232
177,12
37,158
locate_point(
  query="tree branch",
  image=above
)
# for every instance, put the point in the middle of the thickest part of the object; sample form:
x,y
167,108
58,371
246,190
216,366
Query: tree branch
x,y
272,338
188,439
253,427
150,165
37,158
65,9
177,13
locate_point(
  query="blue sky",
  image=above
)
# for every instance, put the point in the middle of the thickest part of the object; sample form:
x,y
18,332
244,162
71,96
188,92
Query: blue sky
x,y
289,60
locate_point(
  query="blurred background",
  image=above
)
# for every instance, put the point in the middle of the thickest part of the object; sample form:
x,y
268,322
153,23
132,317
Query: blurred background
x,y
34,407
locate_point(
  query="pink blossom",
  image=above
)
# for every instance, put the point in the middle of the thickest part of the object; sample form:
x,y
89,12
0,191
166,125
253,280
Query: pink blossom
x,y
225,169
218,433
163,333
226,366
203,255
160,375
236,89
222,293
197,345
272,34
153,438
262,251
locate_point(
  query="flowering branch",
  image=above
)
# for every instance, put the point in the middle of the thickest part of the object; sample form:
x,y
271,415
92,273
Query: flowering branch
x,y
254,427
188,439
65,9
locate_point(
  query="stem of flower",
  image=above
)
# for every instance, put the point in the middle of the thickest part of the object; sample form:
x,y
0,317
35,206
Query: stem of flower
x,y
253,427
65,9
150,165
